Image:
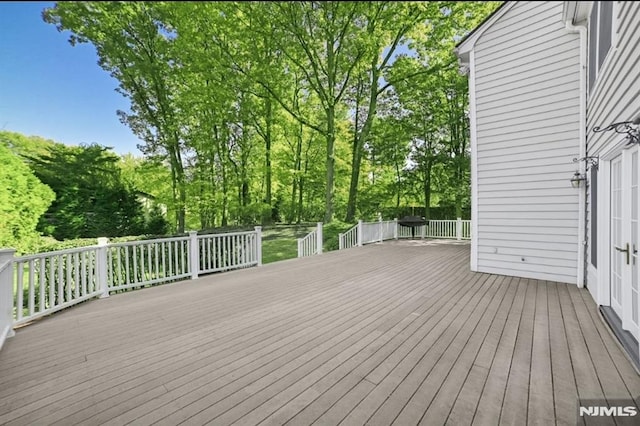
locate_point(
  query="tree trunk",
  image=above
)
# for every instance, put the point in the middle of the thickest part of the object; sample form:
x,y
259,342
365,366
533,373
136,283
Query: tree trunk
x,y
223,176
179,185
301,183
427,190
331,139
397,188
225,189
269,120
356,159
297,166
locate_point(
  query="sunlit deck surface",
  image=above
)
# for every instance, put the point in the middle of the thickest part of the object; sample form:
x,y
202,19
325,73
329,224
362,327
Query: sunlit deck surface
x,y
400,332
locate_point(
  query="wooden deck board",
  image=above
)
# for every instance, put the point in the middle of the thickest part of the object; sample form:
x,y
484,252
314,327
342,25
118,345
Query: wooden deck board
x,y
467,399
400,331
516,397
490,404
541,379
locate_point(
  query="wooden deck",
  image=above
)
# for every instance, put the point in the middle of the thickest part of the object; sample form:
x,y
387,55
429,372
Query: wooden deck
x,y
400,332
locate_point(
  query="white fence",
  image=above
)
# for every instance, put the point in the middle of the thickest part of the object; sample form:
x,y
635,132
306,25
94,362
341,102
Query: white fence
x,y
349,239
371,232
6,295
37,285
221,252
311,244
55,280
139,263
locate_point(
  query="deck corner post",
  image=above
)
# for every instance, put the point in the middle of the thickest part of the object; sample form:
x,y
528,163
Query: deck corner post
x,y
194,254
459,229
258,230
340,244
380,239
6,293
319,237
101,260
359,233
395,228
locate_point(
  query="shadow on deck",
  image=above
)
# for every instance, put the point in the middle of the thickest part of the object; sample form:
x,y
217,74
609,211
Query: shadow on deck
x,y
397,332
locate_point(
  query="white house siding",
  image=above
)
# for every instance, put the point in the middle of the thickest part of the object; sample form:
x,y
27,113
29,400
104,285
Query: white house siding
x,y
615,95
527,120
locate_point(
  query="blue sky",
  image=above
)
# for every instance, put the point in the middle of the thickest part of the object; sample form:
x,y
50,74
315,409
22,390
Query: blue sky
x,y
51,89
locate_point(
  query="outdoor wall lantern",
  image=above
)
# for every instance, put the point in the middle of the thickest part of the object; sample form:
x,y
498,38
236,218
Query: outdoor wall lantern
x,y
578,178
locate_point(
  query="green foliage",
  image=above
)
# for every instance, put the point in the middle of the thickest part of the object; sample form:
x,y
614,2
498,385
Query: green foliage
x,y
25,146
282,111
23,199
280,242
155,221
330,233
91,198
47,244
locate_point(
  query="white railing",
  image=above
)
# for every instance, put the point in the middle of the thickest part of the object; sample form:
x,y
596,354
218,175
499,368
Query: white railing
x,y
311,244
6,294
378,231
411,232
348,239
466,230
140,263
442,229
221,252
40,284
370,232
48,282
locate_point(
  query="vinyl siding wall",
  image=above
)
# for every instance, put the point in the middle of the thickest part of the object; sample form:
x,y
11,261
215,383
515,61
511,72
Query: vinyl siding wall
x,y
527,120
615,95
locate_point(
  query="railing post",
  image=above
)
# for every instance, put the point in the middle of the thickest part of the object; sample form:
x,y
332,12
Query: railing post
x,y
380,228
103,279
340,245
258,230
459,229
359,233
6,294
194,254
319,238
300,254
395,228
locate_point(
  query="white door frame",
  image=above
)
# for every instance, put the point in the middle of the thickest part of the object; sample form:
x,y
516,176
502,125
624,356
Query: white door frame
x,y
627,269
604,223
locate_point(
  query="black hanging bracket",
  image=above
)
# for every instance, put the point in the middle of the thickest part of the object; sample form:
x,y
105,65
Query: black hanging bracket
x,y
629,128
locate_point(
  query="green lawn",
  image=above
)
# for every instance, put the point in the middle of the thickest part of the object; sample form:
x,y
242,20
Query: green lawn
x,y
279,242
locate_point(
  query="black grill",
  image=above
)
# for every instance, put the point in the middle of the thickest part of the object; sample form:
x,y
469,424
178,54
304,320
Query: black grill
x,y
412,222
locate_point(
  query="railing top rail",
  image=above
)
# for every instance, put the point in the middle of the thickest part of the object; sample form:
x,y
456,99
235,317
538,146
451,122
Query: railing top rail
x,y
354,228
309,235
158,240
55,253
226,234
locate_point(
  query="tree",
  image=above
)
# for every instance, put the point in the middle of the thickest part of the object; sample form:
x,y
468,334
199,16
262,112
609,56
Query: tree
x,y
91,198
23,200
237,102
389,26
319,40
134,46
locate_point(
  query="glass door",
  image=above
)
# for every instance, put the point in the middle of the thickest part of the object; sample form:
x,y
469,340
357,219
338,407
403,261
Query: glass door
x,y
634,326
617,244
625,218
